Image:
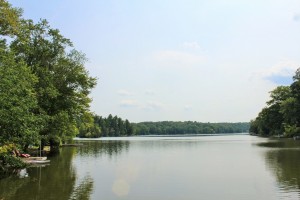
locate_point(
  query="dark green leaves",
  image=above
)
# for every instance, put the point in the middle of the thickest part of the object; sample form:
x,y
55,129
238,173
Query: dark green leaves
x,y
282,115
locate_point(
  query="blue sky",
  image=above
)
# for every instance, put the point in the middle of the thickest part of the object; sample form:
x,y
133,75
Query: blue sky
x,y
208,61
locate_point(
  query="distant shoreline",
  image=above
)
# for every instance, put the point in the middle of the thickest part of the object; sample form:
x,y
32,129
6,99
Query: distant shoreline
x,y
153,136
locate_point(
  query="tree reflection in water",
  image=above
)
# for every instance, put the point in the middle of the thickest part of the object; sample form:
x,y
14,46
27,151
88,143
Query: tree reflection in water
x,y
54,181
101,148
286,166
284,161
83,190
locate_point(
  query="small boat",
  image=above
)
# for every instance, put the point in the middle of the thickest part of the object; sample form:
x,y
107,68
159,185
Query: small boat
x,y
36,158
28,161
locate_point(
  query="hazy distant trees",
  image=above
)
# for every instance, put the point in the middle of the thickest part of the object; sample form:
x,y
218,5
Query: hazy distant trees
x,y
188,127
114,126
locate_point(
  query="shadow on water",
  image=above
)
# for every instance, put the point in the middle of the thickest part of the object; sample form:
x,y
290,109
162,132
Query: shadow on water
x,y
283,160
280,143
54,181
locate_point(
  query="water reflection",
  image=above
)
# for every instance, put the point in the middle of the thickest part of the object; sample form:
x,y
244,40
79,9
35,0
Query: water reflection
x,y
280,143
283,159
100,148
83,190
9,187
55,181
165,168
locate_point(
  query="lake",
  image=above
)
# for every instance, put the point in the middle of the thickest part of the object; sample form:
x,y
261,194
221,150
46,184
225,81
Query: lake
x,y
233,167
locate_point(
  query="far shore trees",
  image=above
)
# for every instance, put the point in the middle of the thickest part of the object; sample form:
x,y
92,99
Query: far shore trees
x,y
94,126
188,127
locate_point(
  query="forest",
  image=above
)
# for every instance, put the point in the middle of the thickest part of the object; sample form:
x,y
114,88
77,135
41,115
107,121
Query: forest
x,y
188,127
113,126
94,126
281,116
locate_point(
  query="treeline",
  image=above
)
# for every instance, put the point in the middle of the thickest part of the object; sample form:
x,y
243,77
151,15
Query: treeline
x,y
188,127
281,116
94,126
44,85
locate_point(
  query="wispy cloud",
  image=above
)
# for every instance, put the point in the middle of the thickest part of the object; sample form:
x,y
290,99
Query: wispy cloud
x,y
281,73
124,93
129,103
153,105
150,92
187,107
191,45
178,58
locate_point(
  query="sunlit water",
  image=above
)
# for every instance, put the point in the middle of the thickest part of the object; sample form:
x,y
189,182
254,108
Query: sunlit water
x,y
233,167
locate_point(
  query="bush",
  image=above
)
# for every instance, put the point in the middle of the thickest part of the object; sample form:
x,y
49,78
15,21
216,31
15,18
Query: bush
x,y
9,161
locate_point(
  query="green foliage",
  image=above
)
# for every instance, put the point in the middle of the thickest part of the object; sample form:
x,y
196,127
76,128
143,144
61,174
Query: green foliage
x,y
87,127
11,162
9,18
189,127
6,149
279,95
282,114
291,130
54,141
64,84
44,86
97,126
7,160
18,122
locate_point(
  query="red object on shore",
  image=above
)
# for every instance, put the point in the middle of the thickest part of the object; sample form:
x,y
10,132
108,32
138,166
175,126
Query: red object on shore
x,y
25,155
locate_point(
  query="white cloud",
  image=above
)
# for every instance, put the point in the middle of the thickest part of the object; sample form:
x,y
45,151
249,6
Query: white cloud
x,y
177,59
150,92
191,45
187,107
284,68
153,105
129,103
124,93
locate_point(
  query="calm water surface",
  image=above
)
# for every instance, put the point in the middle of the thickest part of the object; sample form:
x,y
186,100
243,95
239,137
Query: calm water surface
x,y
233,167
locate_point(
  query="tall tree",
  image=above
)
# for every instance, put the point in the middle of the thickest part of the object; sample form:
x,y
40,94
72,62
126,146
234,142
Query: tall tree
x,y
18,123
57,81
282,114
63,82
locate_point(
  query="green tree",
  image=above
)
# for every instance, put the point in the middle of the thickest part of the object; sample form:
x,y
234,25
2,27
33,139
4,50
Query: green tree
x,y
48,84
9,19
295,89
63,82
279,95
87,126
18,123
282,114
